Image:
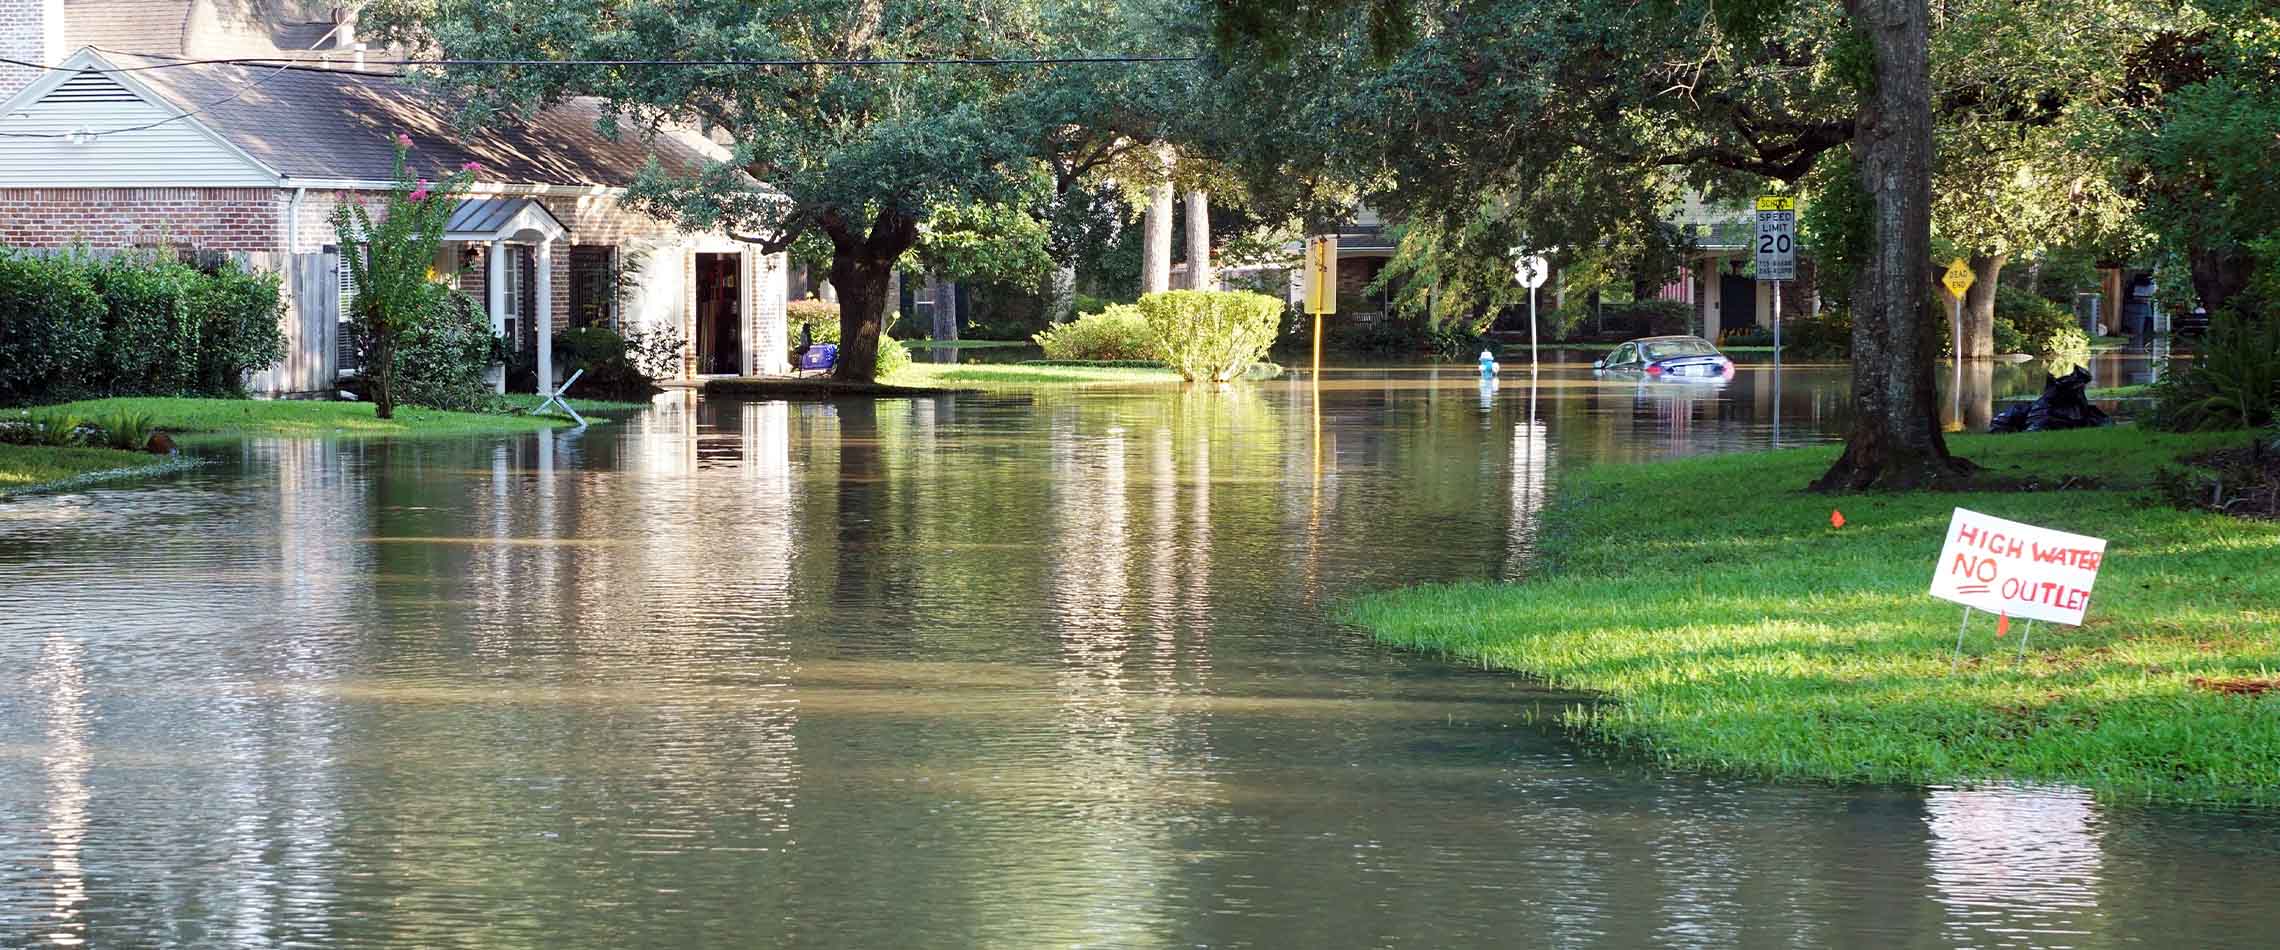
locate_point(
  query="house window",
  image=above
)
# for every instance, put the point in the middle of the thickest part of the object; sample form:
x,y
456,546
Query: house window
x,y
348,350
521,278
593,286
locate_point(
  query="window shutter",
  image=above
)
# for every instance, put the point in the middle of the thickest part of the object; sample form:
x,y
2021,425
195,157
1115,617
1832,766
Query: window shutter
x,y
350,350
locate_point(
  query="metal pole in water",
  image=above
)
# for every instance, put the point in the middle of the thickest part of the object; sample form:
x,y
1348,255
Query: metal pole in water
x,y
1531,329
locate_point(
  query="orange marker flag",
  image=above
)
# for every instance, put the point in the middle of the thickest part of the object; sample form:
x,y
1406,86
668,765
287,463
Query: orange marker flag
x,y
1836,518
2002,625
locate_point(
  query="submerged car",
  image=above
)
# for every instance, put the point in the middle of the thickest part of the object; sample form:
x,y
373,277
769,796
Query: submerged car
x,y
1668,357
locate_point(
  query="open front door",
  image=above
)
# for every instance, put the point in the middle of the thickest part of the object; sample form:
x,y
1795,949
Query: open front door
x,y
720,315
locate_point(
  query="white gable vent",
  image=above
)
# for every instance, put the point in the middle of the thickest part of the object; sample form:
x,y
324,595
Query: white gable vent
x,y
90,86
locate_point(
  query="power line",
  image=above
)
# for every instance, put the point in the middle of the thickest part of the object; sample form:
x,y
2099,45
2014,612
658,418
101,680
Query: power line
x,y
169,62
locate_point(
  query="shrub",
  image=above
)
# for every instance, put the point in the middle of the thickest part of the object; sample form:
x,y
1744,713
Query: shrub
x,y
611,367
1826,337
150,333
443,356
126,429
2234,382
1119,332
239,331
42,428
1213,335
893,357
2026,323
52,331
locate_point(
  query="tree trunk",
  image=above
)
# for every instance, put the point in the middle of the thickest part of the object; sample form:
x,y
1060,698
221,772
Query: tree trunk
x,y
382,363
1200,275
1061,295
2217,276
862,265
1156,232
1895,440
1979,306
945,311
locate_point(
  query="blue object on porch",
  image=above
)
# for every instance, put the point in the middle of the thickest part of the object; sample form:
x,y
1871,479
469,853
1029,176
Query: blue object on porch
x,y
820,356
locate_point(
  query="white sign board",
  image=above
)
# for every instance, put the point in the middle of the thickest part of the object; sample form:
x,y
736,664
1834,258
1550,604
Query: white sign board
x,y
1777,238
2019,570
1531,270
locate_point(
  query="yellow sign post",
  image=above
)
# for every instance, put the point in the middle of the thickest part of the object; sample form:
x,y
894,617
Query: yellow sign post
x,y
1957,280
1321,286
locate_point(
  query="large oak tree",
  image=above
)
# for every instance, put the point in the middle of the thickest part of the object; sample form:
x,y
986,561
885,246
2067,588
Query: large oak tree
x,y
863,155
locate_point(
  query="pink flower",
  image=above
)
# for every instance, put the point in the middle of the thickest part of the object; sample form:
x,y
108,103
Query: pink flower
x,y
471,167
420,192
403,140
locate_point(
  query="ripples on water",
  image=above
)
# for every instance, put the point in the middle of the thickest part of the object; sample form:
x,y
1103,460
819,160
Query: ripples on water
x,y
978,670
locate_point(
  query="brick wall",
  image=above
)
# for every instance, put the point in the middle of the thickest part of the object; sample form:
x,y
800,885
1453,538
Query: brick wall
x,y
24,36
221,219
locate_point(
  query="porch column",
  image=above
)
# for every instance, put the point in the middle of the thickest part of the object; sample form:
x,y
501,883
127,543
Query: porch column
x,y
545,267
495,288
1712,297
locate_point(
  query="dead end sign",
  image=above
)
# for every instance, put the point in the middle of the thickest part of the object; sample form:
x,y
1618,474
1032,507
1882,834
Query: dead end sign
x,y
2017,570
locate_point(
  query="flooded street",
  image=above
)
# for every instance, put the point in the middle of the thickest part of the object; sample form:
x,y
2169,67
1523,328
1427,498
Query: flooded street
x,y
999,670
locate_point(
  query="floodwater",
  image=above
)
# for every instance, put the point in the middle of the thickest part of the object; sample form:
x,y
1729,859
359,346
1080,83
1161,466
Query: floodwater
x,y
976,670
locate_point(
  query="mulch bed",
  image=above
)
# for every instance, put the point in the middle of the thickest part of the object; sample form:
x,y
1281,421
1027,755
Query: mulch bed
x,y
2243,482
2237,686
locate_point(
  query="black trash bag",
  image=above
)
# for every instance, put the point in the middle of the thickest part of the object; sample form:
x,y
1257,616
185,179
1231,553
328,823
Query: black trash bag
x,y
2062,405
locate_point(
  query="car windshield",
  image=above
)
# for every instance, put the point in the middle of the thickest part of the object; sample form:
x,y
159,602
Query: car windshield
x,y
1667,349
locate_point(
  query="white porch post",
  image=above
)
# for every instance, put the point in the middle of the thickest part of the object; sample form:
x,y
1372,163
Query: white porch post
x,y
495,288
545,267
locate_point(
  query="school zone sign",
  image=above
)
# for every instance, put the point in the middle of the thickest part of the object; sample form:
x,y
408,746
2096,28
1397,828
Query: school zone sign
x,y
2017,570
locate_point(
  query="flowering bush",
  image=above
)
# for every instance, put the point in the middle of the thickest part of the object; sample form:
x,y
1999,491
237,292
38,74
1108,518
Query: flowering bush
x,y
389,256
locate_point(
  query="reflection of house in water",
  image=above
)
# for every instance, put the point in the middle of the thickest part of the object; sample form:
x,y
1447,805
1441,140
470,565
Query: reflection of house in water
x,y
2016,866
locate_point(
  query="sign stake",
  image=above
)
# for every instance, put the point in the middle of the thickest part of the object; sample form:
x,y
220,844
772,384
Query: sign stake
x,y
1966,624
2023,635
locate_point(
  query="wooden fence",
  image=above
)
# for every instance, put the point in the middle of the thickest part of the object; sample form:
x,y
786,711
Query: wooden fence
x,y
310,285
312,326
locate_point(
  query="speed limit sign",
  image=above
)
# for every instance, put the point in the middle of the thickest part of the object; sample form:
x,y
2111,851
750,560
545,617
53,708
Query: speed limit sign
x,y
1776,238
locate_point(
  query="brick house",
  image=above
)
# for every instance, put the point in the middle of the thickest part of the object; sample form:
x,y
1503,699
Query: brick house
x,y
114,149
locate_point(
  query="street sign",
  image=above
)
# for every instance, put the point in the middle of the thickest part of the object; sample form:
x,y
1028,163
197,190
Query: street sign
x,y
1531,270
1958,277
1322,274
1776,238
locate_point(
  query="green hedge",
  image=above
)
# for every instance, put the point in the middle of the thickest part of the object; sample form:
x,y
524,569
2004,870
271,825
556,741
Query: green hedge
x,y
1118,333
133,325
1212,335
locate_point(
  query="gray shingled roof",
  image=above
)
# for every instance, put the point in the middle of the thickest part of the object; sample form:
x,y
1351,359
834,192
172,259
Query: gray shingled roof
x,y
143,26
317,123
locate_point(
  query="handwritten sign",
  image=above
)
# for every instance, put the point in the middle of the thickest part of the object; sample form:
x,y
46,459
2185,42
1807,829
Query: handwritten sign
x,y
2017,570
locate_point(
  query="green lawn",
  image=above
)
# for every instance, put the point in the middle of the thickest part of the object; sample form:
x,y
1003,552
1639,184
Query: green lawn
x,y
1732,629
963,344
1023,375
306,417
28,467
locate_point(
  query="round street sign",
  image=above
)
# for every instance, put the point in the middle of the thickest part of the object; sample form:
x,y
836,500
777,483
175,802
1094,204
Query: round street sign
x,y
1531,270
